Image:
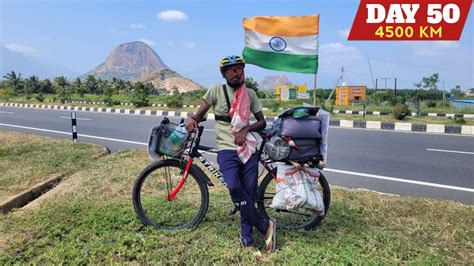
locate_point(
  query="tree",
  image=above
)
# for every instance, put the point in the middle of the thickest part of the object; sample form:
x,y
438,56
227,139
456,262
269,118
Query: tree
x,y
32,85
429,82
251,84
63,88
140,95
14,81
91,84
457,92
47,86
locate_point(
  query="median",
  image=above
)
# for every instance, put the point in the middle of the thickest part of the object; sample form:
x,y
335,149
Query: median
x,y
89,219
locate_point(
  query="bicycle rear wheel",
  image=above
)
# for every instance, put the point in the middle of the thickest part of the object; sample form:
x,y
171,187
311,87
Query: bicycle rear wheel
x,y
151,190
291,219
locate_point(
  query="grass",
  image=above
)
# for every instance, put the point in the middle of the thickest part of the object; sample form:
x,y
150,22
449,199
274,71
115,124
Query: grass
x,y
28,159
89,218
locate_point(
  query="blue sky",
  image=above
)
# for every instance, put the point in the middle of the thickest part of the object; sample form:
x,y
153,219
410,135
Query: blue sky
x,y
79,35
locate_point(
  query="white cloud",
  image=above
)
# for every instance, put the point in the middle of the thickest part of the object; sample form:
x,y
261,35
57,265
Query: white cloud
x,y
170,43
434,48
22,49
172,15
344,33
137,26
190,45
112,30
149,42
338,52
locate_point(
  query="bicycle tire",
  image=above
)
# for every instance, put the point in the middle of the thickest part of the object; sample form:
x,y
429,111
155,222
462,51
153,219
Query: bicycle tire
x,y
287,219
150,207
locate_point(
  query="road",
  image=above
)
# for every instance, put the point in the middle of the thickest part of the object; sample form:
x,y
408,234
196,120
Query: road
x,y
417,164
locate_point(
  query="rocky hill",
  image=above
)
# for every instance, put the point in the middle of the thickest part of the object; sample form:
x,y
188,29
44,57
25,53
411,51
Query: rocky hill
x,y
136,61
269,83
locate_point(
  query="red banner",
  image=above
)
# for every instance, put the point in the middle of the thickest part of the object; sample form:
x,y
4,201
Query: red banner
x,y
401,20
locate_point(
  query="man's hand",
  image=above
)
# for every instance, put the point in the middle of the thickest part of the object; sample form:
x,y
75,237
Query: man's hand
x,y
239,137
191,125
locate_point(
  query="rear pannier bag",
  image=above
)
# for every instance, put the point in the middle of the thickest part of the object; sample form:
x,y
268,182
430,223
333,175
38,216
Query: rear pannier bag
x,y
303,127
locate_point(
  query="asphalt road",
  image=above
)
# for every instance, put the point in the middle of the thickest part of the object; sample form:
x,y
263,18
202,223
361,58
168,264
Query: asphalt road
x,y
416,164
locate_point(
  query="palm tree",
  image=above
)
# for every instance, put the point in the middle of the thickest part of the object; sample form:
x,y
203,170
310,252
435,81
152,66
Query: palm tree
x,y
33,84
91,84
62,88
14,81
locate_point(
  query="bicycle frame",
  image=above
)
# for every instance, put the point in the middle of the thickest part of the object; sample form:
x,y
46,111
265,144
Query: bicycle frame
x,y
194,152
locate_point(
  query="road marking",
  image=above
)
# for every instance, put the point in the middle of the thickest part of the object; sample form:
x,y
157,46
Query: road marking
x,y
80,135
209,130
4,112
461,152
67,117
394,179
400,180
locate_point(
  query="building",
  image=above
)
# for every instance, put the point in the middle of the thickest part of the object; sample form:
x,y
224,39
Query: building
x,y
462,104
347,95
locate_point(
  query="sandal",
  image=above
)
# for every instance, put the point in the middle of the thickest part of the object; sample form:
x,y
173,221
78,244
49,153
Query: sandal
x,y
271,240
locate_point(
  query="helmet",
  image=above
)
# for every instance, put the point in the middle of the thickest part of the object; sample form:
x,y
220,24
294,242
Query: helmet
x,y
277,148
231,61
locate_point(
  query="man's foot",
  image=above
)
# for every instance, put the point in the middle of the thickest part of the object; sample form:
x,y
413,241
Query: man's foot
x,y
270,236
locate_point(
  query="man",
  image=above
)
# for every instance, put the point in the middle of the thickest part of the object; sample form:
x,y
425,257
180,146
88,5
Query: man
x,y
237,156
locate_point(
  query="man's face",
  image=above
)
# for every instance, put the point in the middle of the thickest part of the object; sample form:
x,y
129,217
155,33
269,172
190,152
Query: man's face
x,y
234,75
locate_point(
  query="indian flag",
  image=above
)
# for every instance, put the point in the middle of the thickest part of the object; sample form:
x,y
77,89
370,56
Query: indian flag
x,y
283,43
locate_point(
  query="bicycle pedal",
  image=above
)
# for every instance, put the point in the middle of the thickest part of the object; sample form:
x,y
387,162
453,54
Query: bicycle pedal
x,y
234,211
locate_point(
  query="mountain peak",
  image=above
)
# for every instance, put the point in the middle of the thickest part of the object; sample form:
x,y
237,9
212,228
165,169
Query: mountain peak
x,y
137,61
129,61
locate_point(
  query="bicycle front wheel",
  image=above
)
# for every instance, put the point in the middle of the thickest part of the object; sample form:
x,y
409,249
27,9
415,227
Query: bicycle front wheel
x,y
291,219
151,190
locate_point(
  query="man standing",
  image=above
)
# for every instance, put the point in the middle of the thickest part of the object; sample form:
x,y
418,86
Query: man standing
x,y
237,158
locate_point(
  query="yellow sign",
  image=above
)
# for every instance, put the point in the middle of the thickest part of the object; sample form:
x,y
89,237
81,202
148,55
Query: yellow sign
x,y
291,92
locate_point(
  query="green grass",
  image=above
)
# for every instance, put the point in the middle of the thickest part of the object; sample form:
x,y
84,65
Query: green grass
x,y
27,160
89,218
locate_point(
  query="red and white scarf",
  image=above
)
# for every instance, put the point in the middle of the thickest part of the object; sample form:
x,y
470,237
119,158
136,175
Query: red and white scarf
x,y
240,114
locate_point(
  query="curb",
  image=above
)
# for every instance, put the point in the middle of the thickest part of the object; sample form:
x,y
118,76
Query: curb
x,y
390,126
26,197
411,114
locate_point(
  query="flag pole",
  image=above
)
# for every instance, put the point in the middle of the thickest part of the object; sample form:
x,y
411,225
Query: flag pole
x,y
316,74
314,94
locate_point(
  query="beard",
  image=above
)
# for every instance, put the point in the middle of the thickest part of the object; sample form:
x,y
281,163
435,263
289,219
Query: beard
x,y
236,81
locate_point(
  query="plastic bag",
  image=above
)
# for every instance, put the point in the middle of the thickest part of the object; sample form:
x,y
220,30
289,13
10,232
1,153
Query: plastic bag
x,y
296,190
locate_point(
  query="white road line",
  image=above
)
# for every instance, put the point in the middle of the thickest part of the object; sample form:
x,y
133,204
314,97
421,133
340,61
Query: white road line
x,y
400,180
69,133
394,179
462,152
67,117
4,112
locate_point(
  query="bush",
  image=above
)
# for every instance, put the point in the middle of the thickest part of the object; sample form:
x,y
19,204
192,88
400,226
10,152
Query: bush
x,y
431,104
400,111
40,97
460,120
108,100
176,101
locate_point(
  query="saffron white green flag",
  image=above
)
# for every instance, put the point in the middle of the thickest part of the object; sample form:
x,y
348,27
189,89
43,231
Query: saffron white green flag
x,y
282,43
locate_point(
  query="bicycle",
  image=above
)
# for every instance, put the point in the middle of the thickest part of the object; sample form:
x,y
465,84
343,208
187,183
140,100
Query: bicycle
x,y
166,198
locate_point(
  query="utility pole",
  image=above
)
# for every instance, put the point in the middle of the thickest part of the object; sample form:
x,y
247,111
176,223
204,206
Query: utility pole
x,y
395,87
376,81
371,74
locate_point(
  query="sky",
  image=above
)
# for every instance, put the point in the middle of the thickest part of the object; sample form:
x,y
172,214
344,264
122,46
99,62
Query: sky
x,y
192,36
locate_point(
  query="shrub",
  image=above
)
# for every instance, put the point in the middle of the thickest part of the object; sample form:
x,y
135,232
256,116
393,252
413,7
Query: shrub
x,y
460,120
40,97
175,101
400,111
431,104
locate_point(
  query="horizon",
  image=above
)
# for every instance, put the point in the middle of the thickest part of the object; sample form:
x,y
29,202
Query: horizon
x,y
190,39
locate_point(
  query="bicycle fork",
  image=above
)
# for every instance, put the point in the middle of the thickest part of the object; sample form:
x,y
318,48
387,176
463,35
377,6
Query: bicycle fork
x,y
183,179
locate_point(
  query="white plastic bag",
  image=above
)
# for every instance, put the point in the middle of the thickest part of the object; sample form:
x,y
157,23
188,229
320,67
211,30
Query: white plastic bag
x,y
296,190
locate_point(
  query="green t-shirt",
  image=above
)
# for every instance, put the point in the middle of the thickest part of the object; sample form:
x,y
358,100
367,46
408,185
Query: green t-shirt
x,y
215,97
